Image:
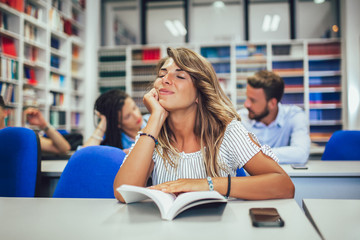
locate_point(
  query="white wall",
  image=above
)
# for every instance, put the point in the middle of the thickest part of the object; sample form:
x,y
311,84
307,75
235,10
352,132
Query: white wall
x,y
156,29
256,18
128,13
210,24
351,40
92,43
313,19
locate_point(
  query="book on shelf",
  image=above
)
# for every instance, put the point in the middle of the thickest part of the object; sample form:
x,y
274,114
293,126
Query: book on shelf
x,y
8,46
9,69
169,204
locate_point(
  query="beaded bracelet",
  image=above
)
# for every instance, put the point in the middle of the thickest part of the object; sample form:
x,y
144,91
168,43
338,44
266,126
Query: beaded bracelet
x,y
210,182
149,135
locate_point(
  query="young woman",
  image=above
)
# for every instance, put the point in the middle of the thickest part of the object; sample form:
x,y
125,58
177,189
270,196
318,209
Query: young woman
x,y
194,140
120,120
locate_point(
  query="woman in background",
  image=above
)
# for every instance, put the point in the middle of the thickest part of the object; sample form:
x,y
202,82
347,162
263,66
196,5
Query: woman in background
x,y
53,143
120,120
194,140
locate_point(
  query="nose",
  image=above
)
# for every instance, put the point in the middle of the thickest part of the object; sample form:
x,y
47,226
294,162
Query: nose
x,y
167,79
247,103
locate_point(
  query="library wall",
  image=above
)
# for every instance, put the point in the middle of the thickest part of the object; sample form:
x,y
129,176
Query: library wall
x,y
312,71
42,62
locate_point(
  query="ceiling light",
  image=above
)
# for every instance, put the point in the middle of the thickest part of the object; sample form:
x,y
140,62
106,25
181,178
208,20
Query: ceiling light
x,y
275,23
319,1
219,4
180,27
171,27
266,23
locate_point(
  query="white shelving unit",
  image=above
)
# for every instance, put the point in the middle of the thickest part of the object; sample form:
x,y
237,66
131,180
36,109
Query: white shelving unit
x,y
48,39
311,70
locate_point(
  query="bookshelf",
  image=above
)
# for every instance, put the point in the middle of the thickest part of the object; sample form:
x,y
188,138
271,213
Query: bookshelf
x,y
42,60
311,70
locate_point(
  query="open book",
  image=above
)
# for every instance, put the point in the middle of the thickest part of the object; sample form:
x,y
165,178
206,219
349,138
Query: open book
x,y
169,205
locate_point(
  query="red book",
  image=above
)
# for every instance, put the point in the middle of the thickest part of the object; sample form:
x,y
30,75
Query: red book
x,y
8,46
32,79
19,5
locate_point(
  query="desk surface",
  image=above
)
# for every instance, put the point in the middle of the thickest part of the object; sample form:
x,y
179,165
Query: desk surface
x,y
335,218
315,168
326,169
51,218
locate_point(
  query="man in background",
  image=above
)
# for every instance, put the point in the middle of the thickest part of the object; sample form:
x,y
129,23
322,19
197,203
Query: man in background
x,y
284,128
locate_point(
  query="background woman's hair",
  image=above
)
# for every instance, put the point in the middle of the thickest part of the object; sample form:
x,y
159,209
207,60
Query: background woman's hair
x,y
110,104
215,110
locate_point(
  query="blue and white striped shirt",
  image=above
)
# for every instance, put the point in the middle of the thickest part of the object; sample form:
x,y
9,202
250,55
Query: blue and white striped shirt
x,y
235,151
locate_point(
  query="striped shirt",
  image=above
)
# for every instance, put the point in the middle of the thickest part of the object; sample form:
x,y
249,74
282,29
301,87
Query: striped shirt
x,y
235,151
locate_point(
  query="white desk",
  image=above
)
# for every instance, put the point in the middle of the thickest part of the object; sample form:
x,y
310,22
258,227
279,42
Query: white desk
x,y
334,218
326,179
49,218
53,167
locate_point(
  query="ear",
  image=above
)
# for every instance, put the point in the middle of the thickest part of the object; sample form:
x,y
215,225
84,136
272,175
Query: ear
x,y
197,100
272,103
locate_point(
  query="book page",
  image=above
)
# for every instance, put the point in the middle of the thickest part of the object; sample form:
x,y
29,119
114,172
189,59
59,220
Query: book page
x,y
132,194
190,199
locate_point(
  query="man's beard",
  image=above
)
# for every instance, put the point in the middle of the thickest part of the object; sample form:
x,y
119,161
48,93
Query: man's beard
x,y
260,116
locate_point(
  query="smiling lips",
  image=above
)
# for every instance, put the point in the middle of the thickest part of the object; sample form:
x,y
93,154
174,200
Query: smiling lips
x,y
164,91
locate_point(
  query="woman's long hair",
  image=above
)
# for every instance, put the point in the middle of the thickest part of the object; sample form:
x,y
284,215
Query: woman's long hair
x,y
110,104
215,110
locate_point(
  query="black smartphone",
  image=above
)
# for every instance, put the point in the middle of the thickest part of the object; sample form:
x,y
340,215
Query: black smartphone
x,y
265,217
299,166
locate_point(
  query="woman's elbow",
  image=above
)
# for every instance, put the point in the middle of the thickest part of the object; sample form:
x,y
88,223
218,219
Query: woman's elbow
x,y
288,187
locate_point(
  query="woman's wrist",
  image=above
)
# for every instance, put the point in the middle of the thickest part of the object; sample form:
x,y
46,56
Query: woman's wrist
x,y
45,127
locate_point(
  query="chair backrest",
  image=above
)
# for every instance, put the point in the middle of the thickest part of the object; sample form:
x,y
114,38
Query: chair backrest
x,y
240,172
90,173
20,156
343,145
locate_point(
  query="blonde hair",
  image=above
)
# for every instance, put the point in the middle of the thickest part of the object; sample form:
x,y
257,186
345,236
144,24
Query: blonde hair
x,y
215,110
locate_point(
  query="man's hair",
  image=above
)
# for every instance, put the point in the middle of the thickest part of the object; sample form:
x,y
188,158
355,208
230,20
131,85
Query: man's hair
x,y
272,84
2,103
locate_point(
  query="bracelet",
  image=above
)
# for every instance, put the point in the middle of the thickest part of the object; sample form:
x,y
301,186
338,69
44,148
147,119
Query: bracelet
x,y
229,187
46,128
97,137
149,135
210,182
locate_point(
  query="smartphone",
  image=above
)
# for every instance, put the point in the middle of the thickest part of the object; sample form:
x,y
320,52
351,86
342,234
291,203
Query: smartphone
x,y
299,166
266,217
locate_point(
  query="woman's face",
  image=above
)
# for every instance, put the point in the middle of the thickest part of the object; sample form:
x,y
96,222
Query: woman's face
x,y
131,116
175,87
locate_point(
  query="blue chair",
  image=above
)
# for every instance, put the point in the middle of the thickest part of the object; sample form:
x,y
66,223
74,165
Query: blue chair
x,y
343,145
20,156
90,173
240,172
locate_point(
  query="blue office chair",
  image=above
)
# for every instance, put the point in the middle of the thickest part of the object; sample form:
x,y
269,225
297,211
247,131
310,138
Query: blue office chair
x,y
20,156
240,172
90,173
343,145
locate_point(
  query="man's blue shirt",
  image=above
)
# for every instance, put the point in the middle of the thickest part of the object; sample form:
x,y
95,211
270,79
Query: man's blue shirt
x,y
288,135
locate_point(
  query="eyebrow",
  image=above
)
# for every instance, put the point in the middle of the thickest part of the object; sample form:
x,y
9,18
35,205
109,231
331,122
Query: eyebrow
x,y
178,70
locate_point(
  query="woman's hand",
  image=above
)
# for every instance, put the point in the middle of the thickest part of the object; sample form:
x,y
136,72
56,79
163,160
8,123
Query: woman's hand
x,y
35,117
102,124
151,101
183,185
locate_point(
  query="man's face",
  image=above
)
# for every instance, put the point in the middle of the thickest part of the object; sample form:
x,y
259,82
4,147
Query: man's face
x,y
256,103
